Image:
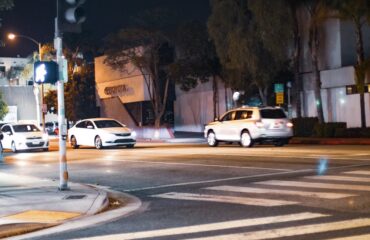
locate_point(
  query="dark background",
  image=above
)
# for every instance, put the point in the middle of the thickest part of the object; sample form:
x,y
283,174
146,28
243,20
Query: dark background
x,y
35,18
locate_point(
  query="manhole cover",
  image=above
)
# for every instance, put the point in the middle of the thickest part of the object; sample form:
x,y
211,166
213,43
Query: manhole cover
x,y
73,197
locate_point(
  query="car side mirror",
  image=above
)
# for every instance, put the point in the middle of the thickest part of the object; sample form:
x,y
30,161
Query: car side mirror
x,y
8,133
90,127
216,119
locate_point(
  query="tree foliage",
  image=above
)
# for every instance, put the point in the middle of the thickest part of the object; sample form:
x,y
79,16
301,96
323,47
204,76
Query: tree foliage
x,y
3,107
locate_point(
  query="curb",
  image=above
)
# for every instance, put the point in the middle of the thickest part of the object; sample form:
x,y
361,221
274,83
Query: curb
x,y
133,204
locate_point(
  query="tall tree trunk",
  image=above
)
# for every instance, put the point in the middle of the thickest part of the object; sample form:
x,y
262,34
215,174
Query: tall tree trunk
x,y
314,48
215,97
360,81
226,99
263,95
296,61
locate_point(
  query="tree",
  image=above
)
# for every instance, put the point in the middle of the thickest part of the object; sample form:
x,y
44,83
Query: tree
x,y
196,60
251,40
3,107
148,47
356,11
318,13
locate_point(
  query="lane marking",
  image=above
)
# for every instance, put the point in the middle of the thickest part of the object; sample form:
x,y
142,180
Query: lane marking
x,y
199,164
315,185
225,199
293,231
281,192
303,171
359,172
339,178
212,226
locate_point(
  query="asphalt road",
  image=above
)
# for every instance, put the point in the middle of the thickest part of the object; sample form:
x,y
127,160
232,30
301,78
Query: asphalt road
x,y
192,191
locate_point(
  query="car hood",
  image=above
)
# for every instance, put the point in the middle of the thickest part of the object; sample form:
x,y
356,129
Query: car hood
x,y
212,123
28,134
116,130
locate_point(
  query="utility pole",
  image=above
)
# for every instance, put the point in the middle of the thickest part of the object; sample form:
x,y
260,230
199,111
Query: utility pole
x,y
63,172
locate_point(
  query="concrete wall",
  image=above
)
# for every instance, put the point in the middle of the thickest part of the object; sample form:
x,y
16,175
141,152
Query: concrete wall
x,y
23,98
194,109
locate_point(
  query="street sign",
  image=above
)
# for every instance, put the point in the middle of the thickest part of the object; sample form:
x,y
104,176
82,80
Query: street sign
x,y
279,87
280,98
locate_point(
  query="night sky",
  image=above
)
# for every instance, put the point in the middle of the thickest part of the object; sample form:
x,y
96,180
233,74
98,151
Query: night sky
x,y
35,18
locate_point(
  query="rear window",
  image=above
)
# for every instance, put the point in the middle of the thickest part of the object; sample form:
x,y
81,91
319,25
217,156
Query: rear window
x,y
272,113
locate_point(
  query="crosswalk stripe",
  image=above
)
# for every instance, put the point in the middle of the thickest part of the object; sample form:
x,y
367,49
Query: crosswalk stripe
x,y
358,237
281,192
293,231
225,199
340,178
315,185
212,226
359,172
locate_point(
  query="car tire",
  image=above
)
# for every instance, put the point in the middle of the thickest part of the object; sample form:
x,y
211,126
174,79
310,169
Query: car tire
x,y
211,139
14,147
130,146
246,139
45,149
280,143
98,143
74,142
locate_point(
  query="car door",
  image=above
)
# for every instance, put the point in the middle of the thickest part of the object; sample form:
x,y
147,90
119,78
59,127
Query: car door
x,y
7,139
226,126
90,132
80,133
242,121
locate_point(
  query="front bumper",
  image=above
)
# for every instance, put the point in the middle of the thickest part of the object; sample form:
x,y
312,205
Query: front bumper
x,y
30,145
119,142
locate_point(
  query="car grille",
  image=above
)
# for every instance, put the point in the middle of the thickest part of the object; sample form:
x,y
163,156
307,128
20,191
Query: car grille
x,y
124,140
122,134
34,138
29,144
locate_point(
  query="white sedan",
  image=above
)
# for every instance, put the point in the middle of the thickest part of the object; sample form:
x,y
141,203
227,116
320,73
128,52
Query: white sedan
x,y
23,137
100,133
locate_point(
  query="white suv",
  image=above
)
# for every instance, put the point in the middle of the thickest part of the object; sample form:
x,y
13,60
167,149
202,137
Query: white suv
x,y
249,125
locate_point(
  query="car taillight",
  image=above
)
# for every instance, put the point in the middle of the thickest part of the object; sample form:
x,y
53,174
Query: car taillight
x,y
259,124
289,125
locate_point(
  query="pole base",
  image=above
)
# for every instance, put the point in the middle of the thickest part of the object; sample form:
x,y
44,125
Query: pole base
x,y
64,188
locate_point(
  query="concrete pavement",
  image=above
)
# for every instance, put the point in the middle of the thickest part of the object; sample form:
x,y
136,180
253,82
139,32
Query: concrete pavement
x,y
28,204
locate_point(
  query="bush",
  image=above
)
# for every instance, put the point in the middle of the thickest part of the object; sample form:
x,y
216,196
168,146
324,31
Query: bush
x,y
303,127
330,129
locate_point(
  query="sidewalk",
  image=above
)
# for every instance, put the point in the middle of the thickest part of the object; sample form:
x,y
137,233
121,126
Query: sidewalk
x,y
28,204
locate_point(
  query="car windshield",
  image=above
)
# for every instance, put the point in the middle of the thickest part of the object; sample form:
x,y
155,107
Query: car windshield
x,y
25,128
272,113
107,124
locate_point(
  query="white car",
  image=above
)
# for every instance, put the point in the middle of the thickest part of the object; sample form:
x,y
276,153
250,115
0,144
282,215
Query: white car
x,y
100,133
249,125
20,136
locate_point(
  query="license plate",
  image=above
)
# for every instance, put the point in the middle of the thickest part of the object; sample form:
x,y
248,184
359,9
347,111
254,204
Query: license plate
x,y
35,142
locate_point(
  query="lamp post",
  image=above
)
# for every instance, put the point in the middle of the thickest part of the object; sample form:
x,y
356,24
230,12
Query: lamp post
x,y
39,104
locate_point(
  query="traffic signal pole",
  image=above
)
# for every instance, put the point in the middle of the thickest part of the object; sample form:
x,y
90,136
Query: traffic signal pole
x,y
63,172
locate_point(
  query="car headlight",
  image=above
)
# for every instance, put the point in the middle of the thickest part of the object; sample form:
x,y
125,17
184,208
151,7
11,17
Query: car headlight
x,y
133,134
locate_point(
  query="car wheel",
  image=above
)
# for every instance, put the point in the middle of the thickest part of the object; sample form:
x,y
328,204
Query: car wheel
x,y
98,143
211,139
246,139
45,149
74,142
280,143
14,147
130,146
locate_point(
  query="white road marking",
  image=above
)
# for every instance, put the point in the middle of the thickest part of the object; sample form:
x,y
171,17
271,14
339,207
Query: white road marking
x,y
198,164
211,226
293,231
225,199
359,172
282,192
315,185
340,178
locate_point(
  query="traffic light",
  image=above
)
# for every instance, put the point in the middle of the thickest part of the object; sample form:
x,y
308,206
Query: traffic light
x,y
45,72
70,15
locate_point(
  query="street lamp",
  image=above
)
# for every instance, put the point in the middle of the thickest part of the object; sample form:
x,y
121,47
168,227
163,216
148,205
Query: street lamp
x,y
39,109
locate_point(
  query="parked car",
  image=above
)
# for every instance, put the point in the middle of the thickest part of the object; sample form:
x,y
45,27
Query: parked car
x,y
21,136
250,125
51,128
100,133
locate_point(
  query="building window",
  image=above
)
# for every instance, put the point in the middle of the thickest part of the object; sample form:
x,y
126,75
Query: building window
x,y
352,89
